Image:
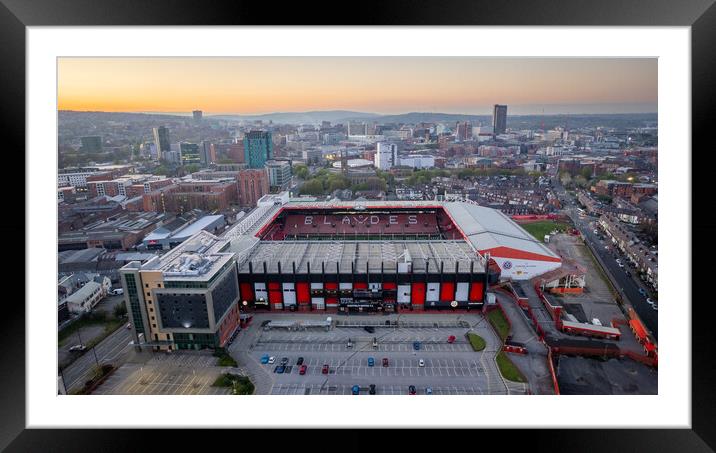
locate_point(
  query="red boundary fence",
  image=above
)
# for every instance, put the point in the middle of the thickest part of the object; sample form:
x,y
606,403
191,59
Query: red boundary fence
x,y
581,351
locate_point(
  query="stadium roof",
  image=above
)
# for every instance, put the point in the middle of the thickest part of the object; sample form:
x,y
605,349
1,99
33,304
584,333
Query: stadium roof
x,y
484,228
360,255
488,229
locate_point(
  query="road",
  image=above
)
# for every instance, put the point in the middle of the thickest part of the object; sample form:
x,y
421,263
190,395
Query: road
x,y
627,286
110,350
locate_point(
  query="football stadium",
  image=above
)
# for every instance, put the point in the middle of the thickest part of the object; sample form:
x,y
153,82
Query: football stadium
x,y
385,256
332,256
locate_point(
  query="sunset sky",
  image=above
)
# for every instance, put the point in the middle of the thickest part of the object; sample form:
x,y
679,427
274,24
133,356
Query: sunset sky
x,y
252,85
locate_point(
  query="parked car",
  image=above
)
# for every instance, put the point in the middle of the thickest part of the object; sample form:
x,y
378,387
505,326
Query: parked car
x,y
355,390
280,369
421,362
265,359
284,361
78,348
129,326
385,361
303,369
272,359
649,301
372,389
288,369
369,329
655,307
324,370
275,369
642,292
371,361
451,339
350,344
411,390
428,390
299,361
375,343
416,345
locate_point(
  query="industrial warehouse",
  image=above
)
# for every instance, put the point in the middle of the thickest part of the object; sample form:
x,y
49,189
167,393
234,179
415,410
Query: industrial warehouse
x,y
328,257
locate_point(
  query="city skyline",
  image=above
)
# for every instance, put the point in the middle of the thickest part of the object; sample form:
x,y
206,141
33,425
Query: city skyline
x,y
380,85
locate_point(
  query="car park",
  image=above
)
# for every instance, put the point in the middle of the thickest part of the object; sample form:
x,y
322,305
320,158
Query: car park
x,y
302,370
355,390
372,389
421,362
299,361
371,361
265,359
451,339
324,370
385,361
272,359
411,390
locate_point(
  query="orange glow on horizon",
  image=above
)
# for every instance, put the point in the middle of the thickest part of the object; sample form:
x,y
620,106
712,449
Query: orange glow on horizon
x,y
252,85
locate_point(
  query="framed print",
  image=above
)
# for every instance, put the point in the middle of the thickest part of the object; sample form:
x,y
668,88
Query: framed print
x,y
425,216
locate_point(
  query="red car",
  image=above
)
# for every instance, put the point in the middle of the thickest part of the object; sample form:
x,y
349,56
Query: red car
x,y
385,361
451,339
325,369
302,370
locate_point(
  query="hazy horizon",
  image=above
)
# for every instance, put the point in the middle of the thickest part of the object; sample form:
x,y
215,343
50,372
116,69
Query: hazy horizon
x,y
380,85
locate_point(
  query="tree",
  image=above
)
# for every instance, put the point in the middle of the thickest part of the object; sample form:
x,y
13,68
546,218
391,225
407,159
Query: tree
x,y
312,187
565,178
191,168
586,173
301,171
120,310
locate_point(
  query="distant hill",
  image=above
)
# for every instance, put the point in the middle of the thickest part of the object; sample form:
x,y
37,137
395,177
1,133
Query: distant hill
x,y
301,117
342,116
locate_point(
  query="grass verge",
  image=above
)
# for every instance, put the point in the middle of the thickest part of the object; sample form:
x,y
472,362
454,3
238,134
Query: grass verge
x,y
476,341
224,358
498,321
543,227
92,319
508,369
241,385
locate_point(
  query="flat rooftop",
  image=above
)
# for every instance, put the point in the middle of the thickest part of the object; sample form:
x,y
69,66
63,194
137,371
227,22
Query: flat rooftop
x,y
193,260
373,253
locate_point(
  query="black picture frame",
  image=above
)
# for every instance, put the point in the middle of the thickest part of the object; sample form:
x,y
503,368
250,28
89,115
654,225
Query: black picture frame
x,y
700,15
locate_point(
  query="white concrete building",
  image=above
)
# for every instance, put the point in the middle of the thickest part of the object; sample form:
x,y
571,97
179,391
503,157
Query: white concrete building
x,y
386,156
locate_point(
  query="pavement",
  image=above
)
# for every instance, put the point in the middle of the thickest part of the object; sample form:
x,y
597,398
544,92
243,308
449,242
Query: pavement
x,y
534,365
449,368
185,373
597,300
628,287
587,376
